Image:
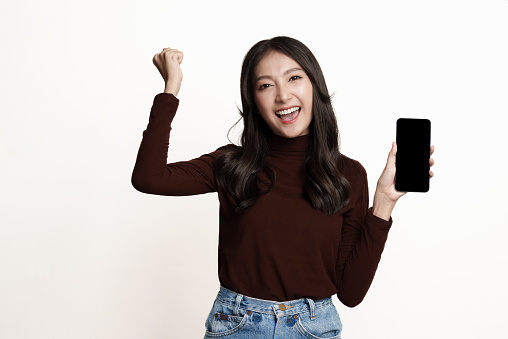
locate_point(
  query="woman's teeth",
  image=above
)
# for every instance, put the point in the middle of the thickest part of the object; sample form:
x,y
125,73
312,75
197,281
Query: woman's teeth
x,y
287,111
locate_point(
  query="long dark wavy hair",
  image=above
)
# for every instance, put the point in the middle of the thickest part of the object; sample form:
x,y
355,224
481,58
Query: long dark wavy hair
x,y
238,169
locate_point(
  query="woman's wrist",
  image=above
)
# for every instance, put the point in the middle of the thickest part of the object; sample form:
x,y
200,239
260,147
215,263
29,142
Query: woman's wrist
x,y
382,206
171,89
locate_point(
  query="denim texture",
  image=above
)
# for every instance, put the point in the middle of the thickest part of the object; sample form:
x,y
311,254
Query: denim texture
x,y
235,316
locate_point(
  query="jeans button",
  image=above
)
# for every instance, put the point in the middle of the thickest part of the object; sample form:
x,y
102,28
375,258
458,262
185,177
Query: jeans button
x,y
282,307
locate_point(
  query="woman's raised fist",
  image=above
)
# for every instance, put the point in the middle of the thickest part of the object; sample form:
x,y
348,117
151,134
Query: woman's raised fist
x,y
168,63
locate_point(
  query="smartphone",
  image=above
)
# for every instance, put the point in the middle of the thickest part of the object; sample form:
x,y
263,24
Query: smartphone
x,y
413,154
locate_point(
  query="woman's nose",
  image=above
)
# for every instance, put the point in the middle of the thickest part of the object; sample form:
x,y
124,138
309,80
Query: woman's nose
x,y
283,93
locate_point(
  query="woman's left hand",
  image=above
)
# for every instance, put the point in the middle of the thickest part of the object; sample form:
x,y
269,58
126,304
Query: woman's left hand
x,y
386,195
386,183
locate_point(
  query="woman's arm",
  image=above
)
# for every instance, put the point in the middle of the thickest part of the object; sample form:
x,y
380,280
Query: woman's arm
x,y
363,237
365,231
151,172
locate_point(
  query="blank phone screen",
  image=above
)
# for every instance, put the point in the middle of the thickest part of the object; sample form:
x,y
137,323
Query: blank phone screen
x,y
413,154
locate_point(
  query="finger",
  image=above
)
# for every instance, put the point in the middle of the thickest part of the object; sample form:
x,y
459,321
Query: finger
x,y
431,174
166,52
431,150
155,58
393,150
156,61
158,57
170,50
179,56
431,162
173,54
391,155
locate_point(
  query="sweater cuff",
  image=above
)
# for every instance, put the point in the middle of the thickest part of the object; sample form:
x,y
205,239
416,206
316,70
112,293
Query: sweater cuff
x,y
377,222
166,98
163,109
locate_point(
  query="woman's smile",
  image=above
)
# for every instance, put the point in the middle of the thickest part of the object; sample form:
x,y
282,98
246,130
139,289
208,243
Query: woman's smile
x,y
288,115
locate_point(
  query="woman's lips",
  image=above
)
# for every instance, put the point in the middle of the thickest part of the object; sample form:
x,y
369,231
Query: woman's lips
x,y
290,117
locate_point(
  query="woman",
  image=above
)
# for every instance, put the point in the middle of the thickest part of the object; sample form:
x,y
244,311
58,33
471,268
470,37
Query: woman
x,y
295,223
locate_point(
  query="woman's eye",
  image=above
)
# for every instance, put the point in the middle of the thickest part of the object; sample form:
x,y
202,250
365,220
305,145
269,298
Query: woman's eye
x,y
263,86
295,77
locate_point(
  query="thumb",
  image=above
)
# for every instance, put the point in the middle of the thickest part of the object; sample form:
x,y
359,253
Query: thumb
x,y
391,156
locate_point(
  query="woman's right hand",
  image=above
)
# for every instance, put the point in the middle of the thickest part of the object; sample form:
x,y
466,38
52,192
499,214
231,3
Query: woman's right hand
x,y
168,63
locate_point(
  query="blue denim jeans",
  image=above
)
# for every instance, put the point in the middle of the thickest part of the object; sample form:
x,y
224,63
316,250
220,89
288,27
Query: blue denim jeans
x,y
235,316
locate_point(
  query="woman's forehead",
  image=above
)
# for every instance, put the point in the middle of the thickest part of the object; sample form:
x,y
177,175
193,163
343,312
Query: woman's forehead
x,y
275,64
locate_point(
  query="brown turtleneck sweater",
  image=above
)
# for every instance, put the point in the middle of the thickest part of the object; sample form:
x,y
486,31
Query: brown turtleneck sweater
x,y
282,248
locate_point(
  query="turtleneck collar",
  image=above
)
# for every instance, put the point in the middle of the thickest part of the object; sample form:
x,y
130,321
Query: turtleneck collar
x,y
297,144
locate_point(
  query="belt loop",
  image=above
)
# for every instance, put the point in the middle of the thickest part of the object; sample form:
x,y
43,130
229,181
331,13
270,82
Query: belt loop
x,y
312,310
239,298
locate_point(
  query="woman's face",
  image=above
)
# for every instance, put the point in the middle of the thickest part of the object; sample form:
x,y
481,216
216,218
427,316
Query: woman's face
x,y
283,95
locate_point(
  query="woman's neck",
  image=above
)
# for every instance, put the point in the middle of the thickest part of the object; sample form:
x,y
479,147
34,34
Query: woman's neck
x,y
297,144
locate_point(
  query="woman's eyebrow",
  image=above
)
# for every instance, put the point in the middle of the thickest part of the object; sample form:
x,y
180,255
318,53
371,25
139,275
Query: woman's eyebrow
x,y
291,70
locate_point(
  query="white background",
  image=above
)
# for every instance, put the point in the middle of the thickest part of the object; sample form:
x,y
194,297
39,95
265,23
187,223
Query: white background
x,y
84,255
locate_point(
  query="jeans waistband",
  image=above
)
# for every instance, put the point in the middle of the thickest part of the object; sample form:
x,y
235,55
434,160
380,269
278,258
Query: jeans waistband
x,y
279,309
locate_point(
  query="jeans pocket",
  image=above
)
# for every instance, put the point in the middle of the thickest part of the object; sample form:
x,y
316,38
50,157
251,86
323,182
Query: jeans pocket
x,y
327,324
222,322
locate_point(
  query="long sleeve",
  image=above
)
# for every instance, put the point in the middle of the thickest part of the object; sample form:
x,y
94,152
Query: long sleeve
x,y
362,242
319,255
151,172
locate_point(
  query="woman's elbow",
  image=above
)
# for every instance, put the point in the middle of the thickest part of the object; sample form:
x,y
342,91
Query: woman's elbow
x,y
141,184
351,301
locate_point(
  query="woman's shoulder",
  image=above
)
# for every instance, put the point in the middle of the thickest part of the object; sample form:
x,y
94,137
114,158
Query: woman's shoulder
x,y
352,169
225,149
229,147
